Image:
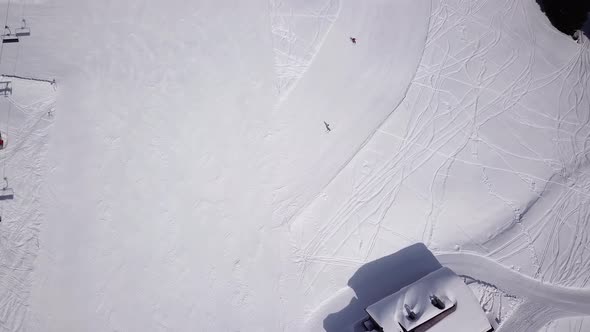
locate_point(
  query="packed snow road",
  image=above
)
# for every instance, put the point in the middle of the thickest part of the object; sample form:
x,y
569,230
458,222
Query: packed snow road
x,y
543,302
572,300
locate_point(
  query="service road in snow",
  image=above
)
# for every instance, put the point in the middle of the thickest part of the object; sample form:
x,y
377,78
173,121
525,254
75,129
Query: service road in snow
x,y
542,300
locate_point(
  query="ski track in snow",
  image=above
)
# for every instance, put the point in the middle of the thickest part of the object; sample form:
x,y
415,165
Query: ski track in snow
x,y
298,29
353,87
570,324
25,129
26,117
498,304
491,112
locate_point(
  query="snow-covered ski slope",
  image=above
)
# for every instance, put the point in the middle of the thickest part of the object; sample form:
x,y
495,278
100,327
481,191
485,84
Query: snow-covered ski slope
x,y
353,87
157,171
486,154
186,180
24,125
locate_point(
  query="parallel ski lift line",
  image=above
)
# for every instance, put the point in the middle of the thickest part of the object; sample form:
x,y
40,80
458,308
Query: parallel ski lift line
x,y
6,192
24,30
8,37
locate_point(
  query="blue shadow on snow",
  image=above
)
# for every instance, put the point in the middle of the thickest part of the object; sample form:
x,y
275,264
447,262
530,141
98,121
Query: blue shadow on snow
x,y
380,278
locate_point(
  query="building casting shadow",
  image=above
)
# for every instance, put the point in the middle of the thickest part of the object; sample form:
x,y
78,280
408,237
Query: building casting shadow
x,y
380,278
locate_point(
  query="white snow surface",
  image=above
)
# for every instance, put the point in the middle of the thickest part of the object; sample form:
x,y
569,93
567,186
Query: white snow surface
x,y
181,177
570,324
24,126
352,87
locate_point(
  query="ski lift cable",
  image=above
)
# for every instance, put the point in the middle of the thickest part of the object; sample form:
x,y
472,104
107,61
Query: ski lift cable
x,y
1,53
9,105
18,48
7,12
24,30
23,11
8,193
18,51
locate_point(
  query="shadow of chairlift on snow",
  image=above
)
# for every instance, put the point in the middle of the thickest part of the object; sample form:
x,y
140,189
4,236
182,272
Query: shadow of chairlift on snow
x,y
10,37
6,193
5,88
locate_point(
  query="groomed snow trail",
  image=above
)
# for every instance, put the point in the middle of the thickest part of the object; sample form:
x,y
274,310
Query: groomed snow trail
x,y
570,324
565,299
352,87
543,302
23,161
156,217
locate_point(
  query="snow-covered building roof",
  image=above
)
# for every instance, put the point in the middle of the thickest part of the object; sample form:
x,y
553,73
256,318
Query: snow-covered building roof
x,y
438,302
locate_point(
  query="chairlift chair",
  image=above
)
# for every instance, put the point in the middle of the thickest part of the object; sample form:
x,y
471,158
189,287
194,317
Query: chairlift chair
x,y
24,30
6,192
2,142
8,37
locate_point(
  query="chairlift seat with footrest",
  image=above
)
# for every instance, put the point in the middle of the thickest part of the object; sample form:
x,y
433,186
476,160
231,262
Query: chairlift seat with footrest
x,y
6,193
8,37
24,30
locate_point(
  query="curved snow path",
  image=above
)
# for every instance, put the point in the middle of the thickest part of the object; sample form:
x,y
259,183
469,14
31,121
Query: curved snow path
x,y
544,302
573,300
352,87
